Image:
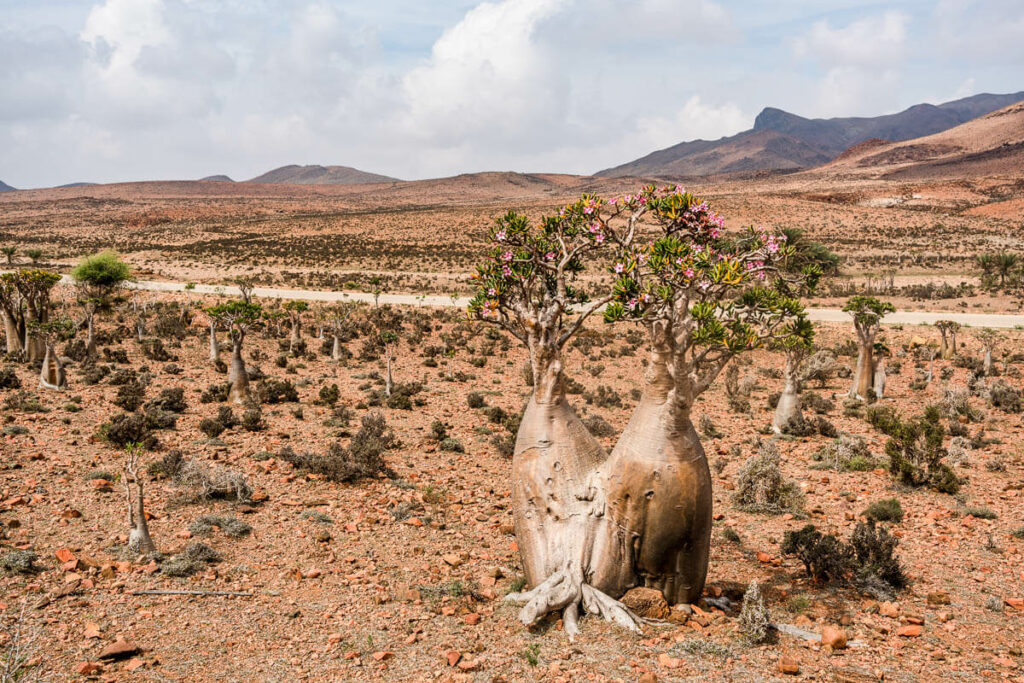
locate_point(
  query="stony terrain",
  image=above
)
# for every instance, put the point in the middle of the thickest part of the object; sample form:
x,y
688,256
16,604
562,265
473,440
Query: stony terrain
x,y
401,576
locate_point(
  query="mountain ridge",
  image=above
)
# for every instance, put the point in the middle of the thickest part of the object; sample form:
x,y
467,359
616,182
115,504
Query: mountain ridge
x,y
295,174
783,141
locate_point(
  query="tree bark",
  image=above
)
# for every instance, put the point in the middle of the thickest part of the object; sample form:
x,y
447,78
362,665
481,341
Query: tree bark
x,y
944,345
388,382
139,540
296,338
787,411
214,348
52,375
864,376
90,343
336,348
14,342
879,380
659,500
238,376
987,362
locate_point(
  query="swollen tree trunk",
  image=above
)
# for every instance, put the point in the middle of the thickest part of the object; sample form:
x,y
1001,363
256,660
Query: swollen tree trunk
x,y
90,343
52,375
864,376
880,378
787,411
140,328
139,540
296,339
944,352
952,343
657,485
987,362
214,348
336,348
388,382
237,375
14,344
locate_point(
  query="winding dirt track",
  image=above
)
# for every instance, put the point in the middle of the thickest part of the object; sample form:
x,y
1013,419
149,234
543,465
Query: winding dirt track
x,y
829,315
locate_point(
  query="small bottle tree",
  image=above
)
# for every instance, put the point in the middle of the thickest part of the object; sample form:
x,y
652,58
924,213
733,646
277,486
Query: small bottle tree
x,y
340,320
34,287
947,346
989,339
139,540
798,347
52,374
9,251
295,310
97,279
237,317
387,325
867,313
12,307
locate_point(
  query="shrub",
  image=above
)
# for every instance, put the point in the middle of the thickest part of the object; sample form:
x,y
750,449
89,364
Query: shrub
x,y
885,510
452,445
172,400
603,397
868,560
168,466
9,379
211,427
915,452
128,428
231,526
129,396
475,399
329,395
271,391
226,416
598,426
495,414
1005,397
816,403
252,419
94,373
153,349
363,457
212,482
708,428
956,403
18,562
438,430
341,417
505,444
755,619
158,418
847,453
761,486
216,393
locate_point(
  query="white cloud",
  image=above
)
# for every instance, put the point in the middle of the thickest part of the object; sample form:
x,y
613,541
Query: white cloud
x,y
872,41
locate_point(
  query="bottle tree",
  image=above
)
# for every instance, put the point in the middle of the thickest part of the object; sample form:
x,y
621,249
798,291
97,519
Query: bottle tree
x,y
867,313
295,310
531,286
237,317
97,279
704,298
34,288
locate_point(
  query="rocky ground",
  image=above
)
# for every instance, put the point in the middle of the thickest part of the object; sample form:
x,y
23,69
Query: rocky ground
x,y
401,576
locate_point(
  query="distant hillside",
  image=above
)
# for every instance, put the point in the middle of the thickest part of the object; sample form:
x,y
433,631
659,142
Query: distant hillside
x,y
990,144
780,141
217,178
79,184
321,175
4,187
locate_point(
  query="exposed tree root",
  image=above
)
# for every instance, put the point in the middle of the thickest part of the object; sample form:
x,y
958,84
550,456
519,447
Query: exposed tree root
x,y
565,591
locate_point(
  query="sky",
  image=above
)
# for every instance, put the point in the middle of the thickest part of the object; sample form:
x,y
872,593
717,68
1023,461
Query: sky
x,y
123,90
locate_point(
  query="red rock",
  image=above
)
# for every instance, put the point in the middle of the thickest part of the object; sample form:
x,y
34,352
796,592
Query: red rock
x,y
647,678
889,609
938,598
452,560
789,666
414,521
472,618
453,657
1016,603
311,574
668,661
88,668
65,555
469,665
382,655
119,649
259,495
334,638
763,557
133,664
833,637
91,631
910,631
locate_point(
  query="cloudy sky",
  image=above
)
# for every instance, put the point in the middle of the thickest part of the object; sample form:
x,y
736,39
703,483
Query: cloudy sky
x,y
118,90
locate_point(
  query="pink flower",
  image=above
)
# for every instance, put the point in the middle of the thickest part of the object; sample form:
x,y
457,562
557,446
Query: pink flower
x,y
619,268
689,273
501,235
599,238
492,291
506,271
550,256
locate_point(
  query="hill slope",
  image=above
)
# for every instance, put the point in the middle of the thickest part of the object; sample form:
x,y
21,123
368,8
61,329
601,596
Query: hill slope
x,y
993,143
217,178
320,175
781,141
4,187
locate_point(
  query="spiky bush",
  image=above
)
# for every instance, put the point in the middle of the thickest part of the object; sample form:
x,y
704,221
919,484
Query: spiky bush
x,y
761,486
755,619
915,451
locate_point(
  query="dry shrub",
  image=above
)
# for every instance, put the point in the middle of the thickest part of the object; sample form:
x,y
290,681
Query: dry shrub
x,y
362,458
762,487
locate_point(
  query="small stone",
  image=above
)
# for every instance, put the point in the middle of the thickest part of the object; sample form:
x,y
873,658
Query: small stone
x,y
382,655
938,598
452,560
910,631
646,602
889,609
668,661
833,637
789,666
119,649
472,618
647,678
322,536
88,668
453,657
